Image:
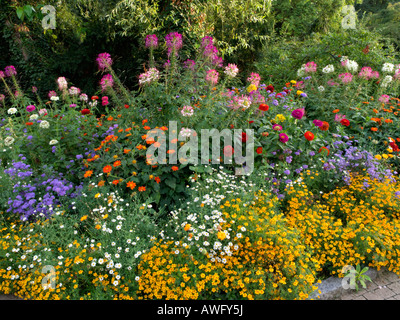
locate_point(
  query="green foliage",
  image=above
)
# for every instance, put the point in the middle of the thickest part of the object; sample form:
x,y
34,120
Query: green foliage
x,y
387,22
281,58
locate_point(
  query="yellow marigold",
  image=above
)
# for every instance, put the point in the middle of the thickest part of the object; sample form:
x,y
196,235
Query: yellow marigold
x,y
84,218
378,157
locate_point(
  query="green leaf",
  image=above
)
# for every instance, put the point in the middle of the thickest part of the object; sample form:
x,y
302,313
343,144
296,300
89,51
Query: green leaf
x,y
171,183
28,10
20,13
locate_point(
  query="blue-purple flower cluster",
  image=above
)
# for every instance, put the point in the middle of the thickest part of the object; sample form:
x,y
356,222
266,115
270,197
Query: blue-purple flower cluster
x,y
35,196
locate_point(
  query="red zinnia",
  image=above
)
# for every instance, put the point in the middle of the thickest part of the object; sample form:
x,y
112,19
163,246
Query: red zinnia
x,y
85,111
244,137
345,122
324,126
259,150
324,149
263,107
309,135
270,88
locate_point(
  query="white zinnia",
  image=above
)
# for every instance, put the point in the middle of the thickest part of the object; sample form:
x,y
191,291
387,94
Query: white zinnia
x,y
54,98
9,141
53,142
33,117
12,111
44,124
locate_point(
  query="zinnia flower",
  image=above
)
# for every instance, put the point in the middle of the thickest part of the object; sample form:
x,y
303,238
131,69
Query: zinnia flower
x,y
30,108
309,135
345,122
263,107
283,137
298,113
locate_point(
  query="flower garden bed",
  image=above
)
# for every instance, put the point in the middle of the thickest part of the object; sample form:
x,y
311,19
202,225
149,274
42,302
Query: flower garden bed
x,y
87,212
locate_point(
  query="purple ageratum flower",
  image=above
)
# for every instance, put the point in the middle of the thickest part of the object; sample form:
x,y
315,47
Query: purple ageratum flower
x,y
151,41
287,172
10,71
173,42
106,82
104,61
298,113
283,137
30,108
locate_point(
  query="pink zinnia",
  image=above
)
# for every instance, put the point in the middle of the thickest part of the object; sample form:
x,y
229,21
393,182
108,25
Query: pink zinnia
x,y
104,61
52,94
42,111
106,82
10,71
283,137
298,113
277,127
212,76
318,123
30,108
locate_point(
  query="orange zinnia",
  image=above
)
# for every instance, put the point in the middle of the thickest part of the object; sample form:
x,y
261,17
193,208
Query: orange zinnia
x,y
141,189
336,111
115,182
175,168
101,183
374,129
107,169
324,126
88,173
117,163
